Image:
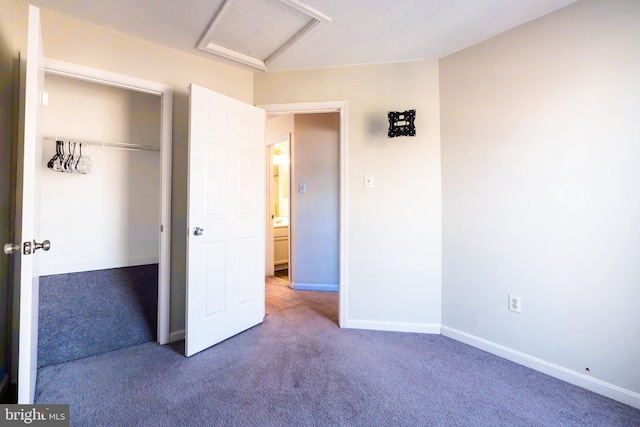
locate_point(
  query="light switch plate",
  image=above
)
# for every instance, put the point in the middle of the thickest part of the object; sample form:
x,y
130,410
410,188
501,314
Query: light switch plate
x,y
368,181
302,188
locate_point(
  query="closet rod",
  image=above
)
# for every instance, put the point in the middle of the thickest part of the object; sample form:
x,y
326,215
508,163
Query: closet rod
x,y
121,145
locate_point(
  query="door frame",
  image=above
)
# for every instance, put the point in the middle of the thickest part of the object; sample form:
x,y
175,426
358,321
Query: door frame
x,y
94,75
270,269
330,107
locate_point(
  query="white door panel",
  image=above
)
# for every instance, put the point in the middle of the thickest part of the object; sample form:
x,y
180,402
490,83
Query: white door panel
x,y
225,264
26,277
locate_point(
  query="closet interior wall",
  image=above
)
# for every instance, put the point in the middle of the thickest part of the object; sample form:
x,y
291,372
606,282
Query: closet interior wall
x,y
99,286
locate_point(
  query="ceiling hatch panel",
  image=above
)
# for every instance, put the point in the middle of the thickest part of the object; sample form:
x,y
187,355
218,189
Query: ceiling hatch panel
x,y
259,27
256,32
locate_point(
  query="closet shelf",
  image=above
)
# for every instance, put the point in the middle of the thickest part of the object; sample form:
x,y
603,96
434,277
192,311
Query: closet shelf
x,y
121,145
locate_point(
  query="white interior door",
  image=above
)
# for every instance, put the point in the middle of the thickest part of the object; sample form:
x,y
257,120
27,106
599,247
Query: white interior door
x,y
226,227
25,243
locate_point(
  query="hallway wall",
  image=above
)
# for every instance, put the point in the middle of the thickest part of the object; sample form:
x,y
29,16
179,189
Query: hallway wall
x,y
316,213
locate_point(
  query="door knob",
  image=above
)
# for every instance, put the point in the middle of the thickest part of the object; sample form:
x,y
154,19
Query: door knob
x,y
10,248
29,248
198,231
45,245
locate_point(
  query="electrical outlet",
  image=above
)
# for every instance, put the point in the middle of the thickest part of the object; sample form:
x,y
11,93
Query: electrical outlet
x,y
369,181
515,304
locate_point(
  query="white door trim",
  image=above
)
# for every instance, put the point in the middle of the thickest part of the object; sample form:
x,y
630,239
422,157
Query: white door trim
x,y
269,209
330,107
81,72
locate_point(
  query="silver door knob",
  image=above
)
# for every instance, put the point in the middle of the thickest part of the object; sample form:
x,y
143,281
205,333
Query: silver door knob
x,y
45,245
30,248
10,248
198,231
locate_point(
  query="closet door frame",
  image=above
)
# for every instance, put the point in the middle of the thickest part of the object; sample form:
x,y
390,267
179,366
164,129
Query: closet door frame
x,y
94,75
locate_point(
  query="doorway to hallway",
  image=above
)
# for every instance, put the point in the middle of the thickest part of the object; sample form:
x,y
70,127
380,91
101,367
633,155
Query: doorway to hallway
x,y
304,199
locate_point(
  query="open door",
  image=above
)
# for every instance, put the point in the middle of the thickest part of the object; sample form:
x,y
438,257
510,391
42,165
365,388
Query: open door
x,y
225,225
25,245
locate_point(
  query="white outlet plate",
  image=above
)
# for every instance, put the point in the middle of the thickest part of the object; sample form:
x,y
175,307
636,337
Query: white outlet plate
x,y
515,303
369,181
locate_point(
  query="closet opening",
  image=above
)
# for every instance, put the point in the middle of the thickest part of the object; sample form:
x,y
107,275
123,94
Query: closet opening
x,y
105,205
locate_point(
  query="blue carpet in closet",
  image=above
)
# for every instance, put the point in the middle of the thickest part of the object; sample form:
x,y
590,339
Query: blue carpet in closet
x,y
93,312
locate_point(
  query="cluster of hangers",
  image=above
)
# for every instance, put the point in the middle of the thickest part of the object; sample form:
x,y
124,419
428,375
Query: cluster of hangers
x,y
69,158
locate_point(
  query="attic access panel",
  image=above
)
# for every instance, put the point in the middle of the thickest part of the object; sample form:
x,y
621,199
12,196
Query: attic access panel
x,y
256,32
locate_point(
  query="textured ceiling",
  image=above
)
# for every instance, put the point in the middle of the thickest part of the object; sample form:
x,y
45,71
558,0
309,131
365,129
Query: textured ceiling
x,y
361,31
246,30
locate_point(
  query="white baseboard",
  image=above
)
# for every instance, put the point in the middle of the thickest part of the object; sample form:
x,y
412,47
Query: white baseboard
x,y
421,328
176,335
313,287
609,390
49,270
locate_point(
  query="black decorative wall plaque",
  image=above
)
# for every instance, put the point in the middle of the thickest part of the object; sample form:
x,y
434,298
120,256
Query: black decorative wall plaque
x,y
402,123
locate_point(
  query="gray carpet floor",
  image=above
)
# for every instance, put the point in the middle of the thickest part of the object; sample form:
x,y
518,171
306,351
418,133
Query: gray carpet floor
x,y
93,312
299,369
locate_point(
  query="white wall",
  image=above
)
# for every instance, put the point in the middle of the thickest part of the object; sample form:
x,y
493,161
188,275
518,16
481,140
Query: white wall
x,y
109,218
394,245
278,126
540,149
79,42
316,213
